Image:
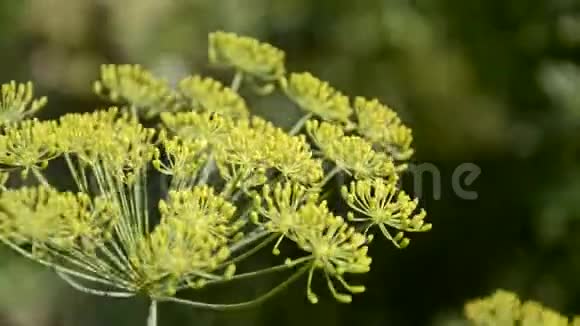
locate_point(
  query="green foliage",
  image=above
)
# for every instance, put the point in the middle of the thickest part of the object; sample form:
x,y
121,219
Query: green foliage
x,y
232,182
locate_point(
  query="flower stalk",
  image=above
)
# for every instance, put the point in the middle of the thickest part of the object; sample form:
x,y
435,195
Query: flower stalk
x,y
152,317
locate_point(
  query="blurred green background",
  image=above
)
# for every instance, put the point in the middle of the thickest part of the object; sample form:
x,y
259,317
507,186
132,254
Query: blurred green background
x,y
485,81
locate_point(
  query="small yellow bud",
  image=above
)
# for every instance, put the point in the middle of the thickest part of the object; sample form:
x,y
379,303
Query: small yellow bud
x,y
230,271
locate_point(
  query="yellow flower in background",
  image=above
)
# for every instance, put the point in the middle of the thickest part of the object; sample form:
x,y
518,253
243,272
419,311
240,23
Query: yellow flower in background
x,y
246,54
137,87
504,308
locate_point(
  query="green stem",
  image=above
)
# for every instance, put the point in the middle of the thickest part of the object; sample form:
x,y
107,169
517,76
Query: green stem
x,y
38,175
267,270
330,175
237,82
299,124
152,318
77,286
250,252
56,267
206,171
74,173
134,112
241,305
249,239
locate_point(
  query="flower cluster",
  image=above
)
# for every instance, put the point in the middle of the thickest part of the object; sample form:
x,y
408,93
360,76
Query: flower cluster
x,y
504,308
352,154
190,241
246,54
230,182
133,85
383,127
258,146
55,221
382,205
210,95
17,102
28,145
317,97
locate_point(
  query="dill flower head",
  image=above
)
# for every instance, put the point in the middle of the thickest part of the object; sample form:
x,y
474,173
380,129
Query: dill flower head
x,y
190,242
207,126
383,205
184,159
133,85
51,220
534,313
115,142
17,102
126,148
210,95
318,97
258,145
246,54
204,211
76,131
276,208
336,247
351,154
28,144
383,127
504,308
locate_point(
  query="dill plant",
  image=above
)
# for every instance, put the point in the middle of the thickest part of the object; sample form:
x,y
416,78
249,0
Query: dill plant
x,y
234,183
